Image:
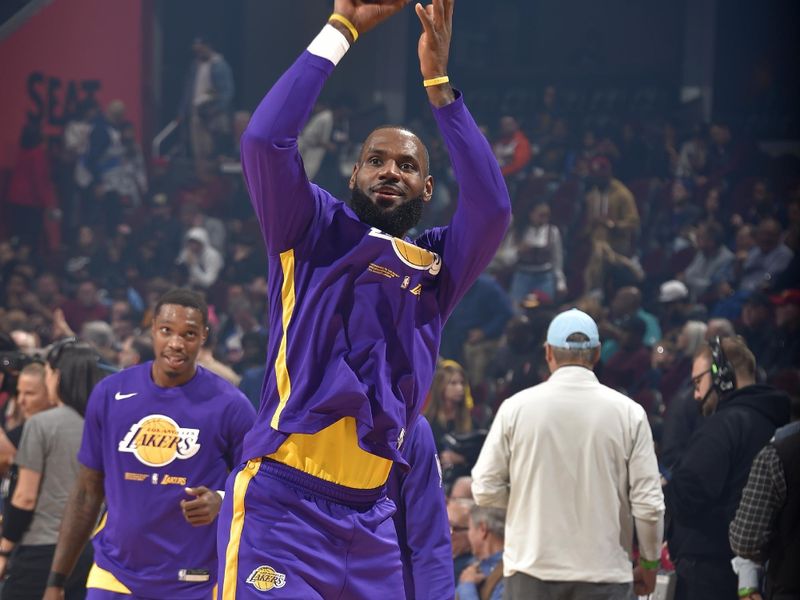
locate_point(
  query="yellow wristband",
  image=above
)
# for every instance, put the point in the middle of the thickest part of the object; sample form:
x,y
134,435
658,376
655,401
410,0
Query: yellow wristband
x,y
436,81
346,22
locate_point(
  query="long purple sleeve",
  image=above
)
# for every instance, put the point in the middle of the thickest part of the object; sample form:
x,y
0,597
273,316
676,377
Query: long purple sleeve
x,y
483,211
282,196
423,530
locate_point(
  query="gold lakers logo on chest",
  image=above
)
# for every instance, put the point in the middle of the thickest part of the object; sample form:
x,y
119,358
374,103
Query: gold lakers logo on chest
x,y
411,255
157,440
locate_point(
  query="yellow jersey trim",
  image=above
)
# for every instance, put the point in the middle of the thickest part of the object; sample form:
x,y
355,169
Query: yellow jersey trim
x,y
333,454
240,484
101,579
287,303
101,524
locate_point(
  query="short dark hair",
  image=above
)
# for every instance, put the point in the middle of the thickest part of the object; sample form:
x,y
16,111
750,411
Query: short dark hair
x,y
184,297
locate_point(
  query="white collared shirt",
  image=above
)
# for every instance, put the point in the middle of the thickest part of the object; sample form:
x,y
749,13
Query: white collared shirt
x,y
573,463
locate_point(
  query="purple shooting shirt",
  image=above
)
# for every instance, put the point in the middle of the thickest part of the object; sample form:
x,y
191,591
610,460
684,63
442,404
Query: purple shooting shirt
x,y
152,442
356,315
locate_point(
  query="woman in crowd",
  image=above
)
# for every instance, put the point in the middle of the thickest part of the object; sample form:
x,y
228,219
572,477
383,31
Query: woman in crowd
x,y
449,405
536,251
48,467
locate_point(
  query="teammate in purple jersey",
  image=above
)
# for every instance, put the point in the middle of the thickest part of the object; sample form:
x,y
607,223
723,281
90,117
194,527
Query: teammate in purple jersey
x,y
423,529
357,313
159,440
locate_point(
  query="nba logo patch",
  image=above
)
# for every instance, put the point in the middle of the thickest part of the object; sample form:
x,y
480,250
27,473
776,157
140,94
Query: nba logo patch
x,y
406,281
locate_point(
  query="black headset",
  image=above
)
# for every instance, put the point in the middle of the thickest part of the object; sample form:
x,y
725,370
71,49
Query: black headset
x,y
723,377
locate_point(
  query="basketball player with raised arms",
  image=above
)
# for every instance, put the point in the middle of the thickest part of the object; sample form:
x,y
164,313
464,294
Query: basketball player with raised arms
x,y
158,441
356,316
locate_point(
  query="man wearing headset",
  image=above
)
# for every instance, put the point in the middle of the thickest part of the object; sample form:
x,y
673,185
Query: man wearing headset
x,y
706,485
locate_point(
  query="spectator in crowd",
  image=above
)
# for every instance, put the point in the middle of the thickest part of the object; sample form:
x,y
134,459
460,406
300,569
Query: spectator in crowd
x,y
706,485
626,371
711,265
519,362
725,155
421,517
47,465
86,306
449,405
719,328
135,350
126,415
765,528
207,104
766,260
104,163
458,517
533,465
626,304
693,159
100,336
682,414
315,139
471,336
757,326
512,148
461,489
484,578
31,196
536,251
201,258
31,398
674,305
785,348
611,224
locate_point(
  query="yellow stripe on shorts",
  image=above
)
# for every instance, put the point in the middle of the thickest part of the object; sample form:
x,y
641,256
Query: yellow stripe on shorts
x,y
240,484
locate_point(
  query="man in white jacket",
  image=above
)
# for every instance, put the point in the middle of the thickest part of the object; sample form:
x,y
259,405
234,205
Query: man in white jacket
x,y
573,463
203,261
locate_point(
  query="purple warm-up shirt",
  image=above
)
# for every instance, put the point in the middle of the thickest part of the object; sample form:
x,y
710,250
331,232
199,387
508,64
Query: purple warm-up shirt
x,y
356,315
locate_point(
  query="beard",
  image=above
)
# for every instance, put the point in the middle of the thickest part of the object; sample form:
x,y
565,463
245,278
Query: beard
x,y
394,221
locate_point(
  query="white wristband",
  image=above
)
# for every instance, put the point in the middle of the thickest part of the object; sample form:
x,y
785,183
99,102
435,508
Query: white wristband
x,y
330,43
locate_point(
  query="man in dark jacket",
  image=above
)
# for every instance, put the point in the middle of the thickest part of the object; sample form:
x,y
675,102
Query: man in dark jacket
x,y
706,485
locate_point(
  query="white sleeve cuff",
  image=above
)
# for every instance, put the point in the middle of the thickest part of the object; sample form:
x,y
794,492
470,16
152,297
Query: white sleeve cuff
x,y
330,43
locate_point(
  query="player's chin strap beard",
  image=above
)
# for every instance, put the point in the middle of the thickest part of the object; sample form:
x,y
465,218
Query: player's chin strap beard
x,y
396,221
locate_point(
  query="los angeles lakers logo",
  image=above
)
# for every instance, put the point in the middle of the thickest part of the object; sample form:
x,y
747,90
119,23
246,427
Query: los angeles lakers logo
x,y
264,578
157,440
411,255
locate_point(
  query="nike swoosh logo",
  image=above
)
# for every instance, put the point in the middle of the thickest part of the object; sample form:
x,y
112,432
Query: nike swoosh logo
x,y
121,396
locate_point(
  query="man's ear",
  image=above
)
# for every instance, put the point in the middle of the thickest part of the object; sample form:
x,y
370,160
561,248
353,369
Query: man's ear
x,y
352,183
427,194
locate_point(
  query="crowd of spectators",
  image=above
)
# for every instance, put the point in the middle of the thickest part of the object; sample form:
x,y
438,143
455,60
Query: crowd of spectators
x,y
666,238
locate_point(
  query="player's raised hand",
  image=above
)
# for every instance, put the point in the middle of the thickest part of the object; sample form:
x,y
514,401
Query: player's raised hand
x,y
434,43
365,15
203,509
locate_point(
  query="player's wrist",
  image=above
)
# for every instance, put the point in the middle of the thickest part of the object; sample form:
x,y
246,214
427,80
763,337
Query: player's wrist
x,y
649,565
331,43
56,580
344,25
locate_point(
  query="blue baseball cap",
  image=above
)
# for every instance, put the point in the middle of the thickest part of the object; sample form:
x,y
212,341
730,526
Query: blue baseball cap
x,y
569,322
